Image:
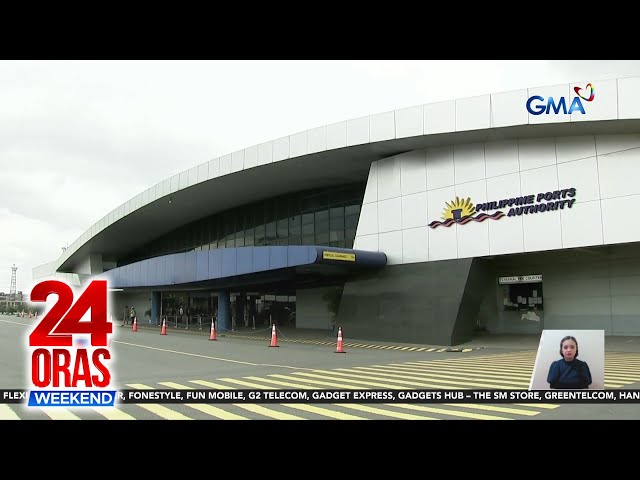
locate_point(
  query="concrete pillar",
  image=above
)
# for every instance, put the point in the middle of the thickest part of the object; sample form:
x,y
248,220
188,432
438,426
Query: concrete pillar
x,y
155,308
224,311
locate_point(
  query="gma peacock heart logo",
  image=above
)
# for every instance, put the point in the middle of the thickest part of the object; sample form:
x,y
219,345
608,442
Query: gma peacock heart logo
x,y
591,90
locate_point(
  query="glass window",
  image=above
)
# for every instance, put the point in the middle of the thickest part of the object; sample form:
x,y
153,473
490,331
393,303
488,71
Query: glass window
x,y
295,240
522,296
308,229
352,210
351,221
295,225
259,234
283,228
248,237
322,238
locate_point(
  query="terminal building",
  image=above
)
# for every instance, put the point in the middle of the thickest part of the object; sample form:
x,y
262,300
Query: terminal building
x,y
506,213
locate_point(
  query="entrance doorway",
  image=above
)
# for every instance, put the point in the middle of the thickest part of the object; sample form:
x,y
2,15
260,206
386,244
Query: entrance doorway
x,y
522,304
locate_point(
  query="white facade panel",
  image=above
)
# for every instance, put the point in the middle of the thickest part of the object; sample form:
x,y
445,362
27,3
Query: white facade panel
x,y
473,113
368,223
619,173
382,126
357,131
183,181
581,175
440,117
265,153
298,144
251,157
237,161
371,191
581,224
414,210
203,172
628,98
368,243
536,152
337,135
317,140
542,231
390,215
440,169
540,180
503,187
166,187
506,109
214,168
505,234
501,157
391,244
413,173
225,165
193,176
409,122
468,162
281,149
575,148
389,178
175,183
559,93
616,225
604,105
415,245
473,237
616,143
442,240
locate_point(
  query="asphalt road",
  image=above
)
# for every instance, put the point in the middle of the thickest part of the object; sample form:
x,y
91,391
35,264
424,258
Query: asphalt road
x,y
145,360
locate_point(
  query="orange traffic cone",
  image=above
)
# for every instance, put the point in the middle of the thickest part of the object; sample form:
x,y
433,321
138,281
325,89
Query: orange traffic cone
x,y
164,327
340,345
213,335
135,324
274,337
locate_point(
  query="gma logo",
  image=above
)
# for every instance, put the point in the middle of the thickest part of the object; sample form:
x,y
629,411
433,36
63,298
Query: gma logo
x,y
537,105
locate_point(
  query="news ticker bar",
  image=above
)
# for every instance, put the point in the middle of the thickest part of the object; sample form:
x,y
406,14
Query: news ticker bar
x,y
105,398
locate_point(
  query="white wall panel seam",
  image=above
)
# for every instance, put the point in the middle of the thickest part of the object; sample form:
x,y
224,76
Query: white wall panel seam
x,y
555,152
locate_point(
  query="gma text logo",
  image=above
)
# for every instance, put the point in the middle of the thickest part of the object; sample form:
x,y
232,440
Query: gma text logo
x,y
537,105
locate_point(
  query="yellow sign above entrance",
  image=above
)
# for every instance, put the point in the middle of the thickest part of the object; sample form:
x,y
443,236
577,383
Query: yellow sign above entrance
x,y
346,257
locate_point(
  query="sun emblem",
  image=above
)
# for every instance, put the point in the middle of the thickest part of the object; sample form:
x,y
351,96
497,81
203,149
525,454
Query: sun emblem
x,y
458,209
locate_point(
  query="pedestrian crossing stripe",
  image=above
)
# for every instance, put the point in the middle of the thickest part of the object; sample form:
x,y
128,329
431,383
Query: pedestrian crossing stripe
x,y
501,371
377,346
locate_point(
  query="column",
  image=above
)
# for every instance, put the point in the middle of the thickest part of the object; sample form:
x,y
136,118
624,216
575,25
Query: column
x,y
155,308
224,312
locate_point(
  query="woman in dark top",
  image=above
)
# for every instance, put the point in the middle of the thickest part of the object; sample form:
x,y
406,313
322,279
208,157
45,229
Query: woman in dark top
x,y
569,372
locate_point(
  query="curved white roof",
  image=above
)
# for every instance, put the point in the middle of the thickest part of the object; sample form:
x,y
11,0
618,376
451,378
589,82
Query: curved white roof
x,y
343,151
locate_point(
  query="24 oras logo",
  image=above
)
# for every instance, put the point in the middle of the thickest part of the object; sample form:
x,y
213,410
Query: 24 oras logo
x,y
61,359
537,105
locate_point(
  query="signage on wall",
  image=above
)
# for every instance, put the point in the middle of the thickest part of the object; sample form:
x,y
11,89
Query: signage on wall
x,y
537,105
520,279
462,211
346,257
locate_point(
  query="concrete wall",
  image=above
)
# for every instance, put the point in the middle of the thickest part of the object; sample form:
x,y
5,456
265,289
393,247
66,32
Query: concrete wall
x,y
312,310
596,288
141,301
417,303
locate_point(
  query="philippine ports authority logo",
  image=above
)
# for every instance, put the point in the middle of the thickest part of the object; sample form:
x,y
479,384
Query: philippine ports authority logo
x,y
69,356
537,105
462,212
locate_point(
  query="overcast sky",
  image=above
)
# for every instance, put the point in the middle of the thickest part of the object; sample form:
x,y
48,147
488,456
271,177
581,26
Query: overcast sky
x,y
79,138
